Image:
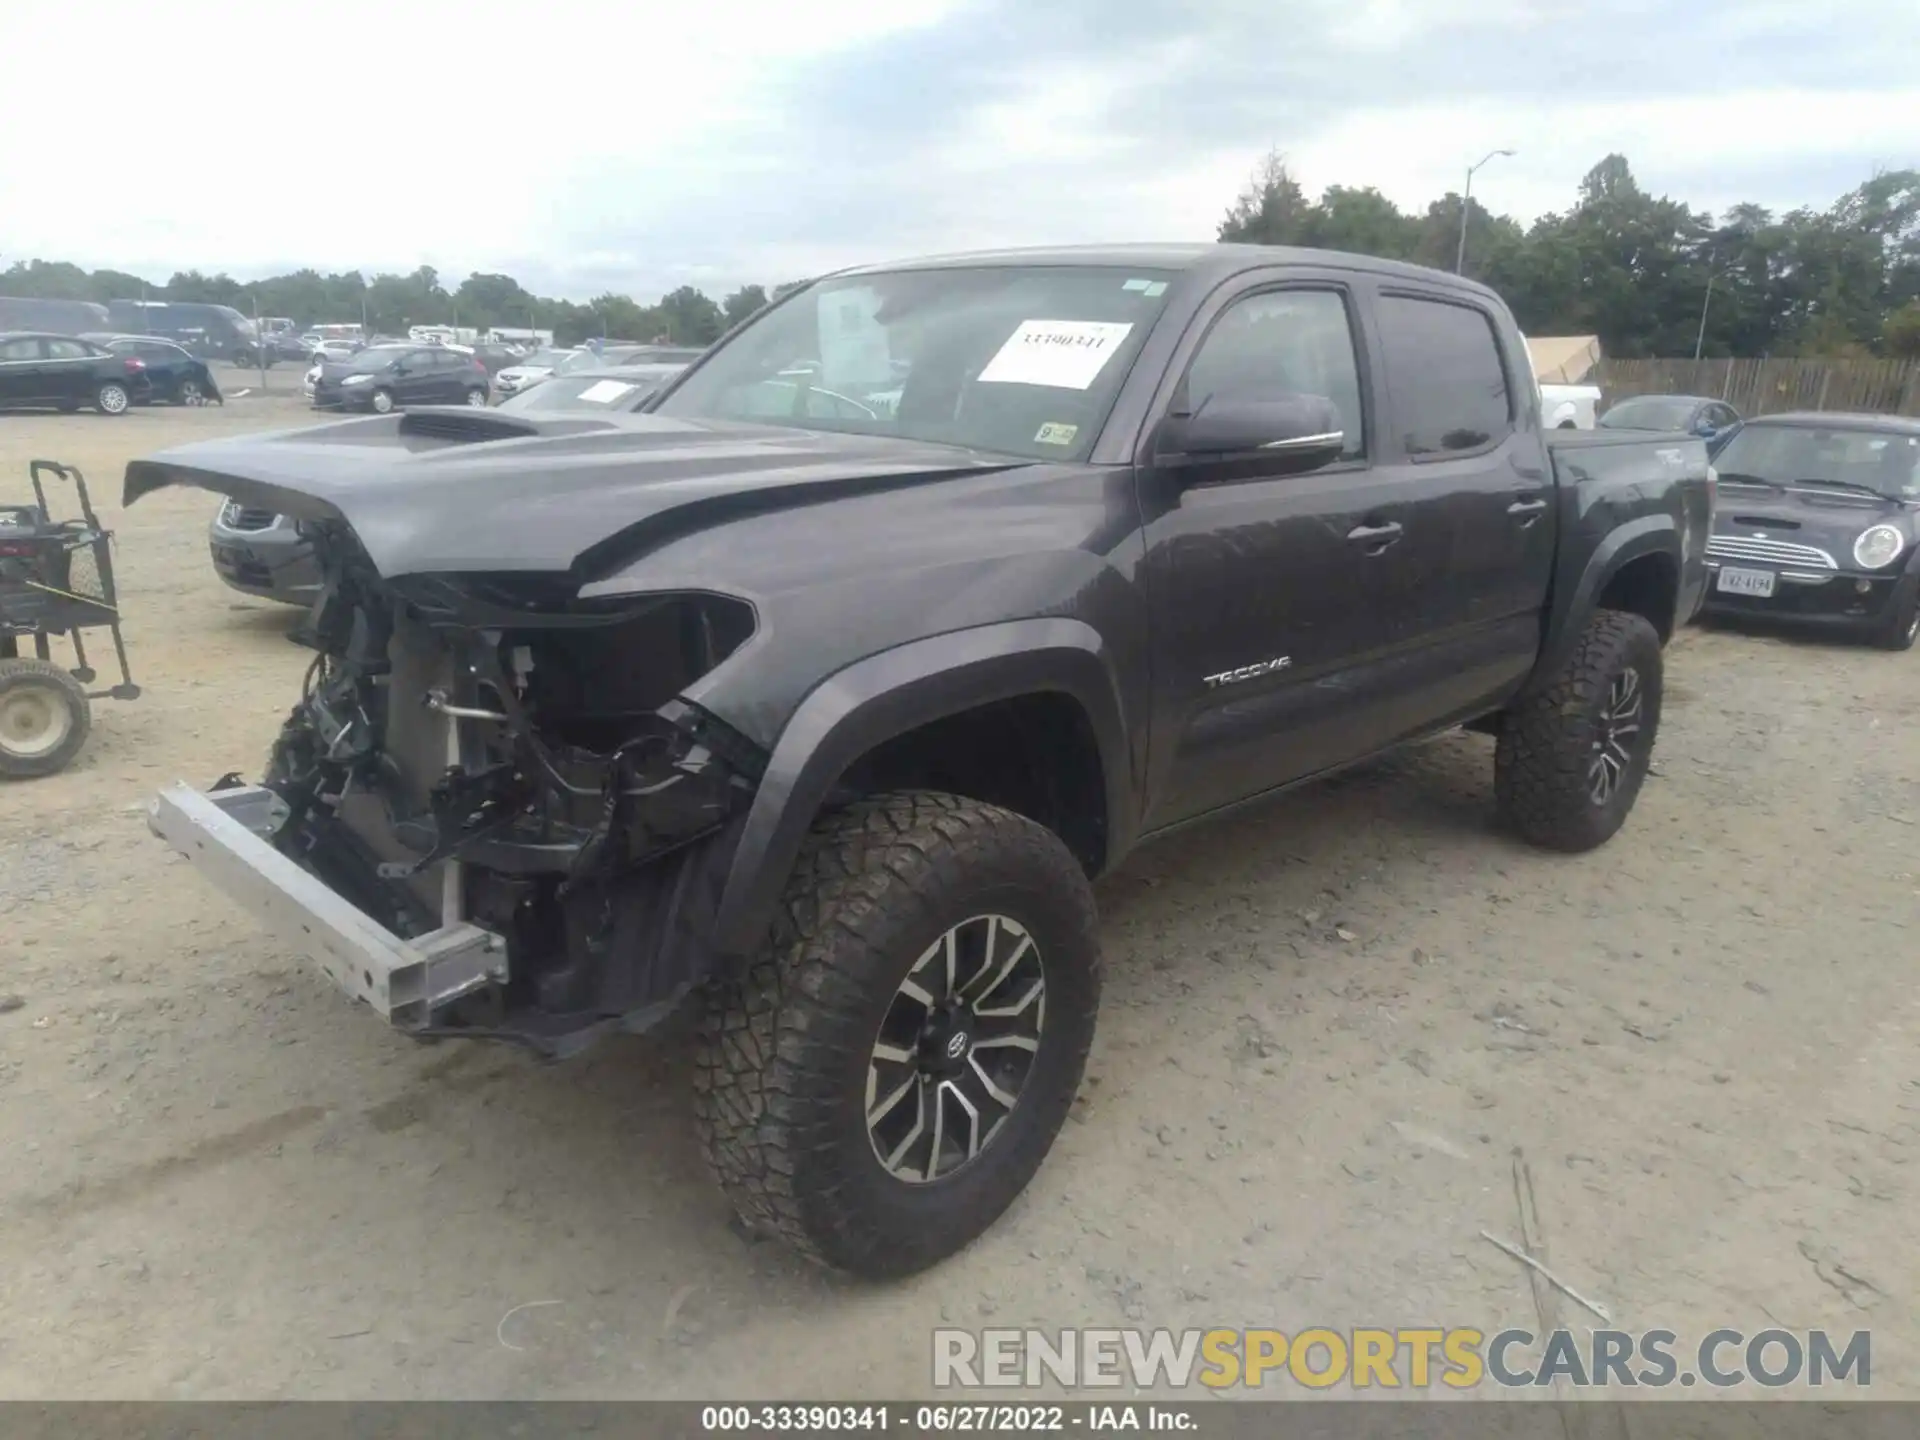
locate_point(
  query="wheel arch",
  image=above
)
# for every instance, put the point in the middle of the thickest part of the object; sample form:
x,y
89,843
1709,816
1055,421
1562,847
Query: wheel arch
x,y
864,714
1635,568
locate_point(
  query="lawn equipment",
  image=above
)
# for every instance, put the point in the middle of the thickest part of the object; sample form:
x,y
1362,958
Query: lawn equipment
x,y
56,578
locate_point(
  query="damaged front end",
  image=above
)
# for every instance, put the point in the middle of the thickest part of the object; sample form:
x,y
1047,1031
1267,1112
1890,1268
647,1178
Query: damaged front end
x,y
490,814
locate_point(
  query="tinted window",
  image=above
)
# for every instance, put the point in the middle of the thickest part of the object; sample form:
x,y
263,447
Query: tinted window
x,y
26,349
153,349
68,350
1721,416
1443,364
1288,342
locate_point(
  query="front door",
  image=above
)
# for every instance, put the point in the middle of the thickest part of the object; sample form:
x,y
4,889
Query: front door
x,y
20,370
1266,586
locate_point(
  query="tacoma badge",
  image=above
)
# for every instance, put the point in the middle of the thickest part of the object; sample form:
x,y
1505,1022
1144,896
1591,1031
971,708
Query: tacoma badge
x,y
1248,672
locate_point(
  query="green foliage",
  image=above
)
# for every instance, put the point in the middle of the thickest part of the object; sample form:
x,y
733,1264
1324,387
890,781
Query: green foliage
x,y
1634,268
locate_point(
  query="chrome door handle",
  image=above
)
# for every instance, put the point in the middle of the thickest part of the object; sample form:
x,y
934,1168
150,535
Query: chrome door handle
x,y
1526,507
1377,537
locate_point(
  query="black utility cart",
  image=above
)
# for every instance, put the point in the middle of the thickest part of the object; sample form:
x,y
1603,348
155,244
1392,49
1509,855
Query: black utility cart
x,y
56,578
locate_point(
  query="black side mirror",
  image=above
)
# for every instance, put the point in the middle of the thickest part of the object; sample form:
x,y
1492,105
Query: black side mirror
x,y
1294,433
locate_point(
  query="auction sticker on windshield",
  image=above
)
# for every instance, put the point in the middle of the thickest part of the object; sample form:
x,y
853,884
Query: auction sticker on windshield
x,y
1065,354
605,392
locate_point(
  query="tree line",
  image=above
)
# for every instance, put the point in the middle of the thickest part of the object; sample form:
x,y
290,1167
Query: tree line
x,y
1634,268
388,304
1628,266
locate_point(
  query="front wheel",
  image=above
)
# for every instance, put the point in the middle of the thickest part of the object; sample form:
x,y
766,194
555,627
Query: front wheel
x,y
382,402
893,1067
1571,757
1902,627
44,718
111,398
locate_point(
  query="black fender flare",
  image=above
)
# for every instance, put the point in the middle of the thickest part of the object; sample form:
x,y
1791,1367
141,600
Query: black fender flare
x,y
887,694
1638,538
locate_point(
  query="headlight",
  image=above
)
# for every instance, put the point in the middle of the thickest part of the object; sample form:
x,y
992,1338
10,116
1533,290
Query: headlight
x,y
1878,546
357,380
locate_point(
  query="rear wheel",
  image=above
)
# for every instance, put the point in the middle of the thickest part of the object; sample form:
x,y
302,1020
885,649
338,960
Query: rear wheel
x,y
44,718
1571,758
892,1068
111,398
476,396
190,392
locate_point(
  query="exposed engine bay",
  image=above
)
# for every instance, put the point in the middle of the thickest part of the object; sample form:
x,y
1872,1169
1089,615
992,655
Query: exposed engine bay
x,y
492,749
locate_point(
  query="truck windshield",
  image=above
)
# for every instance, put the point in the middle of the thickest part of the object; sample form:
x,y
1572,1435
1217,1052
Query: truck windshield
x,y
1886,463
1659,414
1018,360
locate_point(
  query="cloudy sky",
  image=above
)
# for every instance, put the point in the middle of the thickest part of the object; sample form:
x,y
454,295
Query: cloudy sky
x,y
585,146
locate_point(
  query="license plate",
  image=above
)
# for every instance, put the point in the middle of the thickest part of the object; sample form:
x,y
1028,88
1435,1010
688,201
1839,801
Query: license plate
x,y
1746,582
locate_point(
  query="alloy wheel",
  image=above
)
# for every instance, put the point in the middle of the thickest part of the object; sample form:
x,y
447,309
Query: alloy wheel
x,y
1618,734
955,1049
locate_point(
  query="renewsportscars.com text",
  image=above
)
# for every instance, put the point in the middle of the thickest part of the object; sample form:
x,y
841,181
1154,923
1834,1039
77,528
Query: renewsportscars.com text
x,y
1402,1358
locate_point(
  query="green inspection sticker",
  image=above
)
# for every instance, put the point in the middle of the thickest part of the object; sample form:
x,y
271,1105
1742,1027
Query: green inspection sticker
x,y
1056,434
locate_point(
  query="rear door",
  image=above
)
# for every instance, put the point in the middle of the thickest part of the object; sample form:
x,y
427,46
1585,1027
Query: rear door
x,y
72,370
1464,628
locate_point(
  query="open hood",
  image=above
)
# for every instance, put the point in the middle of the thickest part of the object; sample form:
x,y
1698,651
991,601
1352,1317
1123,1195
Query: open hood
x,y
458,490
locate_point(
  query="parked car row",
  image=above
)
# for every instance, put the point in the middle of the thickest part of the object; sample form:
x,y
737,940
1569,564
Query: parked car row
x,y
107,373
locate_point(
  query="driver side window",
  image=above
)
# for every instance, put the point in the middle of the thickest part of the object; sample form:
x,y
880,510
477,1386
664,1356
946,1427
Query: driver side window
x,y
1283,342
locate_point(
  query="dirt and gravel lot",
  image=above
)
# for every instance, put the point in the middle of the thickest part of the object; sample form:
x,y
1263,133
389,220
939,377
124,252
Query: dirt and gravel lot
x,y
1329,1024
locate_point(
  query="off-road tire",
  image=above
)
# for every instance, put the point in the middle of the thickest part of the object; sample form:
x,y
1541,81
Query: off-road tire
x,y
55,687
1547,740
1902,627
779,1089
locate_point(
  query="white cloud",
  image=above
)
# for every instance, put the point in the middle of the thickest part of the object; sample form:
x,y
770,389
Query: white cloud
x,y
585,145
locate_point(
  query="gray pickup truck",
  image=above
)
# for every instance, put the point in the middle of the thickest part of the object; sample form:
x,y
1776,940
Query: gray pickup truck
x,y
821,690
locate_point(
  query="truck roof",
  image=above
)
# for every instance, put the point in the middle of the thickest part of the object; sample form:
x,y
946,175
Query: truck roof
x,y
1217,261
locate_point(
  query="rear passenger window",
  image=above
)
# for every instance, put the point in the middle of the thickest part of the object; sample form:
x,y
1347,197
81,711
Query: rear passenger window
x,y
27,349
1443,369
1284,342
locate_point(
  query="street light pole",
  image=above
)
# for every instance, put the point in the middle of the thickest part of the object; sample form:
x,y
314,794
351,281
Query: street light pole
x,y
1701,339
1466,209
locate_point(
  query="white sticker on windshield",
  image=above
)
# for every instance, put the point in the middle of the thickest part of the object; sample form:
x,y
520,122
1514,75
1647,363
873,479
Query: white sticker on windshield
x,y
605,392
1054,433
1155,290
1064,354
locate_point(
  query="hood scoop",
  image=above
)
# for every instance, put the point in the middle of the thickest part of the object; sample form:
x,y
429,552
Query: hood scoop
x,y
1766,522
470,425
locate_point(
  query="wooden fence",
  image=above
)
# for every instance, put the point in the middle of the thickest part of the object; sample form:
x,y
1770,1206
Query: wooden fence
x,y
1766,387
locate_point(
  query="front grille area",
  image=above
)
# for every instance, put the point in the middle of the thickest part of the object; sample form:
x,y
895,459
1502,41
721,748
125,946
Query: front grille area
x,y
1771,552
236,516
